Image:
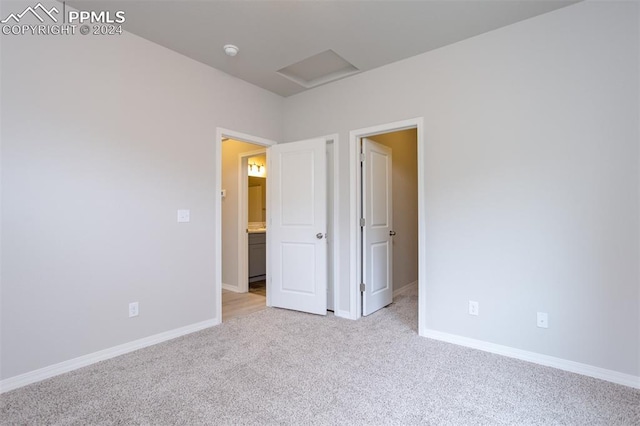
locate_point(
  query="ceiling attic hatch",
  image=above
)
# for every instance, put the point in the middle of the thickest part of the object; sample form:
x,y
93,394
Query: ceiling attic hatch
x,y
318,69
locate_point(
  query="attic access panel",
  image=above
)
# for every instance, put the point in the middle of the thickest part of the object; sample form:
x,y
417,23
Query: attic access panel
x,y
318,69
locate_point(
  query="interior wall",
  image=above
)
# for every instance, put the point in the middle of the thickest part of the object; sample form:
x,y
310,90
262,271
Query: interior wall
x,y
404,145
104,138
531,178
231,149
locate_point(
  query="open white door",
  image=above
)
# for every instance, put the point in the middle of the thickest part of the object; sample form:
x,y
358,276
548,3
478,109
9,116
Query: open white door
x,y
297,226
377,232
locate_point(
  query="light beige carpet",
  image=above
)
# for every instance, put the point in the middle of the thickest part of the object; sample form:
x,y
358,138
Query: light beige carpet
x,y
284,367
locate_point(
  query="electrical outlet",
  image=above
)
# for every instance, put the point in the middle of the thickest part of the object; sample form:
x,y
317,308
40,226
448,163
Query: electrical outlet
x,y
543,320
133,309
474,308
184,216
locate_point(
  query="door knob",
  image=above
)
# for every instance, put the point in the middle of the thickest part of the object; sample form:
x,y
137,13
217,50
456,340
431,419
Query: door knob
x,y
319,235
392,233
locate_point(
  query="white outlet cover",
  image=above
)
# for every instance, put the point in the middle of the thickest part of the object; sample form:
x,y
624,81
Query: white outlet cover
x,y
133,309
474,307
184,216
543,320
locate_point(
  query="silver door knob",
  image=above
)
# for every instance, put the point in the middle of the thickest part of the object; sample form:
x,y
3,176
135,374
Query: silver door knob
x,y
392,233
319,235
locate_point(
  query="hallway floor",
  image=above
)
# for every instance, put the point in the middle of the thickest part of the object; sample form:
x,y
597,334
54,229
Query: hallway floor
x,y
238,304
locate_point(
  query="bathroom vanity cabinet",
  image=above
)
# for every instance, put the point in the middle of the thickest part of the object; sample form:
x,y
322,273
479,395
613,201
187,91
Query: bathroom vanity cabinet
x,y
257,255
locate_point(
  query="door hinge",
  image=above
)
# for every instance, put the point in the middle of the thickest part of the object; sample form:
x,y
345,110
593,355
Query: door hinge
x,y
362,287
362,221
362,157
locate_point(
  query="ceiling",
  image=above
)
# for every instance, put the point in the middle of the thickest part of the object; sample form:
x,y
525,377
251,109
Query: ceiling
x,y
272,35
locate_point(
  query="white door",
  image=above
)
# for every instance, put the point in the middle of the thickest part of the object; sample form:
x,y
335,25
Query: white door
x,y
297,226
377,258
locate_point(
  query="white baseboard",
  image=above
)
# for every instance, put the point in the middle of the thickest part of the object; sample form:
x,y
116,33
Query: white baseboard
x,y
15,382
405,288
230,287
343,314
401,290
536,358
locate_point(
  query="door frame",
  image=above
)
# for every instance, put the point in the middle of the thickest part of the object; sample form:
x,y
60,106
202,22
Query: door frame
x,y
222,133
333,221
355,212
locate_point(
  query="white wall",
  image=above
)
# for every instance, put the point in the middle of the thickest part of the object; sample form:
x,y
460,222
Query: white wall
x,y
404,146
103,139
532,192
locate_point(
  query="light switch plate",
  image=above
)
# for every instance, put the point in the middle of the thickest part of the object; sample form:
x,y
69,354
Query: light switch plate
x,y
183,216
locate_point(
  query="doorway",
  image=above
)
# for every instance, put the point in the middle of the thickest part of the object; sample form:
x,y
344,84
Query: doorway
x,y
238,155
406,141
243,208
397,183
286,164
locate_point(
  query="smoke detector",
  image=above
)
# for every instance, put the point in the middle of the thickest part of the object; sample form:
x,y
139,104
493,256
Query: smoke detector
x,y
231,50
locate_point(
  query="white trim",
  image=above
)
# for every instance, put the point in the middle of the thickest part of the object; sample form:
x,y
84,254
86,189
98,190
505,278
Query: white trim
x,y
422,229
354,210
405,288
336,225
336,75
342,314
354,241
217,262
230,287
336,229
335,219
34,376
536,358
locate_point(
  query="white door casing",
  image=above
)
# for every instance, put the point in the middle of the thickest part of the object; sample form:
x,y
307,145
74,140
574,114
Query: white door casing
x,y
296,240
377,240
